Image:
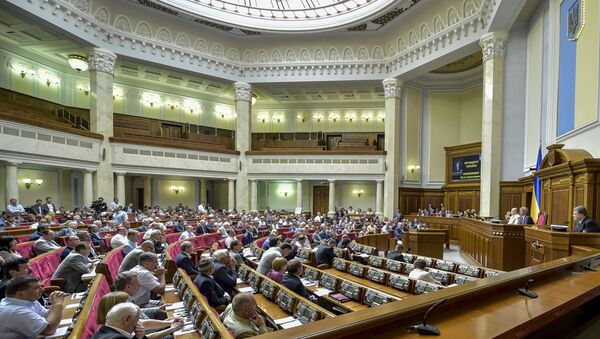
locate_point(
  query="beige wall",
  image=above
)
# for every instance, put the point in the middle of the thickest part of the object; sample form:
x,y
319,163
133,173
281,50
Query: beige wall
x,y
219,193
413,132
346,198
167,197
50,187
275,195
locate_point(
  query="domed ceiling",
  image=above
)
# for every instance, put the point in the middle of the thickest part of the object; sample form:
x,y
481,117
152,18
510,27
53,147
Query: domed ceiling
x,y
284,15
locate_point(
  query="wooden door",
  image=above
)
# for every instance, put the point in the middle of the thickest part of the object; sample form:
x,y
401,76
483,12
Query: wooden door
x,y
172,131
140,198
320,199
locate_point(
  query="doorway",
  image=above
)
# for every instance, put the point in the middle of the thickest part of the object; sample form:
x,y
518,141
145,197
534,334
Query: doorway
x,y
320,200
140,198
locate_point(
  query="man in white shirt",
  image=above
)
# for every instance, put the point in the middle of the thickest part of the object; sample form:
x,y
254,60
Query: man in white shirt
x,y
119,216
230,237
120,238
114,204
148,264
201,208
274,251
14,207
515,217
189,233
419,272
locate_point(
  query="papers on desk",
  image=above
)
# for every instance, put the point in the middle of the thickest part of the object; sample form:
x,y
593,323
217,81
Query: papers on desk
x,y
183,331
90,275
362,255
321,291
238,281
284,320
252,258
307,282
77,295
71,306
60,333
169,289
65,322
174,306
248,289
291,324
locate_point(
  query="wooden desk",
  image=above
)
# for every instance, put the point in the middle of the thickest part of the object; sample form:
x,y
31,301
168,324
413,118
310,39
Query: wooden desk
x,y
370,284
545,245
425,243
441,223
381,241
496,246
351,306
268,307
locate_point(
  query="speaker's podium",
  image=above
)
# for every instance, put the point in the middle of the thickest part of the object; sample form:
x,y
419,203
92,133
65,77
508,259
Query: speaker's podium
x,y
428,243
555,242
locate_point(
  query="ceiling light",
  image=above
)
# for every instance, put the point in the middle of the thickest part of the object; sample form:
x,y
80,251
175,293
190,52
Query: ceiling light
x,y
78,62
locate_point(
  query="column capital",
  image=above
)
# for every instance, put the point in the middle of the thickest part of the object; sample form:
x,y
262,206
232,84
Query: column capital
x,y
252,180
87,170
13,163
331,180
379,181
102,60
493,44
243,91
392,87
230,180
120,173
299,180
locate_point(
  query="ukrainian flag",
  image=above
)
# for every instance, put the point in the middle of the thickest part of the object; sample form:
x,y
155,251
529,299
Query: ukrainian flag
x,y
537,189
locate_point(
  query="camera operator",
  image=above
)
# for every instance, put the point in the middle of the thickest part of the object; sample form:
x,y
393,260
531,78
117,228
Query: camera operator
x,y
99,205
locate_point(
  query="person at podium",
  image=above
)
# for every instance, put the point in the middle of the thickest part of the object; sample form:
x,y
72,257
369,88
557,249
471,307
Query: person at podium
x,y
583,223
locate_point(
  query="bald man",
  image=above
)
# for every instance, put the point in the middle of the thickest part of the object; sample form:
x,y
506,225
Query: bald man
x,y
241,318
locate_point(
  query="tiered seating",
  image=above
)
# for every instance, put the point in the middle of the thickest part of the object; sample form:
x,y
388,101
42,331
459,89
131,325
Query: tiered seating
x,y
26,249
43,266
84,322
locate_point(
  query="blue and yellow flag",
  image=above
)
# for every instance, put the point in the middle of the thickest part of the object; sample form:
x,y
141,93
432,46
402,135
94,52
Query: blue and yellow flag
x,y
537,189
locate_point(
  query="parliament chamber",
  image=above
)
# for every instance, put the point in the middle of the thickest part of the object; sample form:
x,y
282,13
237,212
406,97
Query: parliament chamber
x,y
299,168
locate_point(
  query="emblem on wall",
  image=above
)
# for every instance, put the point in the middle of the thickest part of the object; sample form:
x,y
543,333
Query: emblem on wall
x,y
575,19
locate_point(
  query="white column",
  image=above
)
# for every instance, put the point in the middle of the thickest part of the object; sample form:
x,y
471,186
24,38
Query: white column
x,y
253,195
493,45
331,197
102,69
121,188
203,191
243,109
379,197
231,194
392,90
299,194
88,188
147,191
12,187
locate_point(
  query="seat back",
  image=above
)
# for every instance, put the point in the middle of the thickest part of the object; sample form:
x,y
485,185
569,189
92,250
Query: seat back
x,y
25,249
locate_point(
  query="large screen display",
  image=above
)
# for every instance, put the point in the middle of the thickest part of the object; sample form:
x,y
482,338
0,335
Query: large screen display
x,y
466,167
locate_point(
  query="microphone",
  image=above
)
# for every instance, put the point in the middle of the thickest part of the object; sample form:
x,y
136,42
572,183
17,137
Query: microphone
x,y
424,328
525,290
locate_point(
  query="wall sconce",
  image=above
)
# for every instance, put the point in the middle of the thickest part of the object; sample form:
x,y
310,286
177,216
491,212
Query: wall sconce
x,y
172,105
278,118
191,106
78,62
367,117
83,89
263,118
48,78
22,70
300,117
284,193
28,181
318,117
334,117
381,117
358,193
253,100
118,93
177,189
150,99
350,116
413,168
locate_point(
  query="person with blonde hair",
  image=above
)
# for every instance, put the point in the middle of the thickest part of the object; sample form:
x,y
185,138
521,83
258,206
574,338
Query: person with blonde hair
x,y
108,301
279,266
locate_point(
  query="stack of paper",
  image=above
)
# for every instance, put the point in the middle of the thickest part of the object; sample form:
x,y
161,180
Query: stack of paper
x,y
321,291
246,289
174,306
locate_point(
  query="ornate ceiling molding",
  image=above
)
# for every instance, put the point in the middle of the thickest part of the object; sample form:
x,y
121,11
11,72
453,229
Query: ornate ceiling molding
x,y
372,63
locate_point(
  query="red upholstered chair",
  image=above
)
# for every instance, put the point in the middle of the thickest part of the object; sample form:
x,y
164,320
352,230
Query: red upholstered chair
x,y
107,243
542,217
26,249
222,244
172,237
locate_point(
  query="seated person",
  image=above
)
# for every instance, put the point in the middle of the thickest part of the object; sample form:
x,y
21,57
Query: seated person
x,y
274,251
325,253
278,269
38,232
236,252
132,258
189,233
184,258
22,316
159,241
132,239
241,319
208,286
166,327
72,241
151,277
46,243
583,223
121,322
225,274
13,268
396,254
119,239
68,231
8,248
129,283
419,272
230,237
73,267
94,231
291,279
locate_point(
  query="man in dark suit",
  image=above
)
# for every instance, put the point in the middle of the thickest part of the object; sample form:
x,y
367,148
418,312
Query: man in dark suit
x,y
121,322
208,286
292,280
526,219
396,254
49,206
184,259
325,253
38,208
224,274
73,267
583,223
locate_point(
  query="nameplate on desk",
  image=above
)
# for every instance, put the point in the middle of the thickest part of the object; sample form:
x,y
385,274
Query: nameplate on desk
x,y
174,306
77,295
248,289
321,291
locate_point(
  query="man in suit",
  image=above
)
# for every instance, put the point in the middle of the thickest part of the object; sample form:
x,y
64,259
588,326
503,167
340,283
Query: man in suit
x,y
292,280
95,235
184,259
132,258
525,217
121,323
208,286
72,241
38,208
396,254
132,239
46,243
49,206
225,274
583,223
73,267
325,253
